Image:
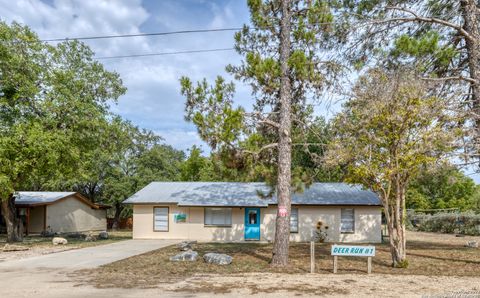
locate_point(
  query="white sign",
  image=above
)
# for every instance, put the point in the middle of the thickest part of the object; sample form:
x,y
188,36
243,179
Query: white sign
x,y
282,211
353,250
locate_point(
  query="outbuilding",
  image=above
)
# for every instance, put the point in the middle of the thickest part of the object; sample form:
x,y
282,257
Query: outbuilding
x,y
231,211
60,212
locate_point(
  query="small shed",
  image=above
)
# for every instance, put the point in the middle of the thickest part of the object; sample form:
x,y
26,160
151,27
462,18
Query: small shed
x,y
60,212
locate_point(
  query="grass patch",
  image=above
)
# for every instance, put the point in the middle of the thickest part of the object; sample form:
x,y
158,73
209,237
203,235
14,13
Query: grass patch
x,y
37,241
153,268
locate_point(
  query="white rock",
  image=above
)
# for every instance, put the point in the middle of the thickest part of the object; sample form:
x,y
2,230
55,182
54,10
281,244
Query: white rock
x,y
59,240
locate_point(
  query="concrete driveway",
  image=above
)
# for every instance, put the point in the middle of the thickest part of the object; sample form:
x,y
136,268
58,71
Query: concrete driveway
x,y
89,257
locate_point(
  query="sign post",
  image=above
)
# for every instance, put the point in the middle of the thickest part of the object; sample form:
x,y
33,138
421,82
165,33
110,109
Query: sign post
x,y
353,251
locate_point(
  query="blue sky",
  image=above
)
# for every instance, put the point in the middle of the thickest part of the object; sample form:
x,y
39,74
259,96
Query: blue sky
x,y
153,98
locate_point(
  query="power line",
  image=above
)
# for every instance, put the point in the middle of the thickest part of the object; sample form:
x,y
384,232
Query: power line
x,y
142,34
164,53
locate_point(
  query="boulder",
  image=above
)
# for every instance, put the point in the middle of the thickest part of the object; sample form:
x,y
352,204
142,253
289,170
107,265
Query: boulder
x,y
48,233
218,259
103,235
91,237
13,247
188,255
76,235
472,244
186,245
59,240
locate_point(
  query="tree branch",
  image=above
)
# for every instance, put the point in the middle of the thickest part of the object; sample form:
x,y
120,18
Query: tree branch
x,y
473,81
418,18
272,145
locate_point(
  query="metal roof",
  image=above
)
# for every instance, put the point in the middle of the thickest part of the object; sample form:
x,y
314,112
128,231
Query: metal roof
x,y
241,194
39,197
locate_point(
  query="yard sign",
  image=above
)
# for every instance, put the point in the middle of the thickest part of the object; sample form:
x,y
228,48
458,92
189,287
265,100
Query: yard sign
x,y
353,251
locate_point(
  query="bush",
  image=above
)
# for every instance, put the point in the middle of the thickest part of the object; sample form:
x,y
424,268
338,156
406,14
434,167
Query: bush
x,y
466,223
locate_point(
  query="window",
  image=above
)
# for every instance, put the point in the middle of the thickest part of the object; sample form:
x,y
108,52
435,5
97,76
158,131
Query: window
x,y
160,219
294,220
218,217
347,224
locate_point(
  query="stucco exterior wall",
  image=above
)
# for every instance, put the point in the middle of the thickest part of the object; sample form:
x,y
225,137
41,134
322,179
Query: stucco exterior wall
x,y
35,224
367,224
72,215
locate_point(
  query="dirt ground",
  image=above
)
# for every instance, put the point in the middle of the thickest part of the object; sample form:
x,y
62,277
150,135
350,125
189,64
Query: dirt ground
x,y
429,255
38,245
199,282
44,283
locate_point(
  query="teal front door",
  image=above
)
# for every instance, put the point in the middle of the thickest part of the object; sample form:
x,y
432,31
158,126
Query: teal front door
x,y
252,223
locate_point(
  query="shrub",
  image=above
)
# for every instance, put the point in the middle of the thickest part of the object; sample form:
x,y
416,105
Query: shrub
x,y
466,223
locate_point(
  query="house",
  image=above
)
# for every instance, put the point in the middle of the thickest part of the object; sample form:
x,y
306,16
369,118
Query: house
x,y
61,212
231,211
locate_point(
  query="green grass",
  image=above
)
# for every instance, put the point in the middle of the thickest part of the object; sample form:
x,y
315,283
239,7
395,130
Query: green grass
x,y
36,241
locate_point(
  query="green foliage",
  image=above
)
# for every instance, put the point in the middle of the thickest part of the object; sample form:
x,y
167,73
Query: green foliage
x,y
466,223
443,186
245,141
53,106
389,130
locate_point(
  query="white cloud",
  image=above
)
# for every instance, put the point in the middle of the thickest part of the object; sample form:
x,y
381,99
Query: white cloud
x,y
153,100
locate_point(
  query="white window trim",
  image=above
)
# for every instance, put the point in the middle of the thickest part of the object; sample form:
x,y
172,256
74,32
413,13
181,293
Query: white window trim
x,y
168,218
226,225
353,221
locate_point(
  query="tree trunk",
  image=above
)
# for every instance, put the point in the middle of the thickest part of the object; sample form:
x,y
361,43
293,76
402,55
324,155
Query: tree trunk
x,y
471,25
396,219
12,222
116,219
282,224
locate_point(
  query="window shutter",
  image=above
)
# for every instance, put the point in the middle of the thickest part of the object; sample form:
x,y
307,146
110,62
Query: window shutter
x,y
161,219
294,220
347,224
218,216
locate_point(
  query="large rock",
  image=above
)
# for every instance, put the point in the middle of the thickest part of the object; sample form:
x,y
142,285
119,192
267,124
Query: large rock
x,y
188,255
186,245
91,237
103,235
472,244
218,259
59,240
76,235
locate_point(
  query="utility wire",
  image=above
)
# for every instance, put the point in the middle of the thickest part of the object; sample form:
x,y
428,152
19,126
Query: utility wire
x,y
164,53
142,34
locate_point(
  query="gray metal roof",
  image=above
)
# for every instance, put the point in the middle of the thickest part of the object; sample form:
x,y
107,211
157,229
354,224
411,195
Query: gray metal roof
x,y
39,197
239,194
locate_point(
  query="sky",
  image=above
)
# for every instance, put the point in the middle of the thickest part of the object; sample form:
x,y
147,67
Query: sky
x,y
153,99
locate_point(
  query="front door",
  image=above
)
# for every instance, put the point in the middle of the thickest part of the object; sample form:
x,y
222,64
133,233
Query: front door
x,y
252,223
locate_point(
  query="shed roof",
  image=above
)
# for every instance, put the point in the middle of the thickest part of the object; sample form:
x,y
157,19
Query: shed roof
x,y
241,194
36,198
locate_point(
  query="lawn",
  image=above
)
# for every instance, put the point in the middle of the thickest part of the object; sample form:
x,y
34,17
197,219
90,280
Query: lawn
x,y
429,254
38,245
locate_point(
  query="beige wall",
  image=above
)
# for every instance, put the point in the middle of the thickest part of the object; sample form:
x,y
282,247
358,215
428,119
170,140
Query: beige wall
x,y
72,215
36,219
367,224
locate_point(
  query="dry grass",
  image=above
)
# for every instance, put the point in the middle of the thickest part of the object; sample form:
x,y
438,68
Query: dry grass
x,y
43,245
431,256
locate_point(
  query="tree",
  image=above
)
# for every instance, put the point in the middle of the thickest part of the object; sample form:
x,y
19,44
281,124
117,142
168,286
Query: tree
x,y
127,159
442,186
442,38
53,99
388,130
285,64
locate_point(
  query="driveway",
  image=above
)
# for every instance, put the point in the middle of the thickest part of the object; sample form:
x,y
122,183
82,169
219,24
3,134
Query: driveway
x,y
89,257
